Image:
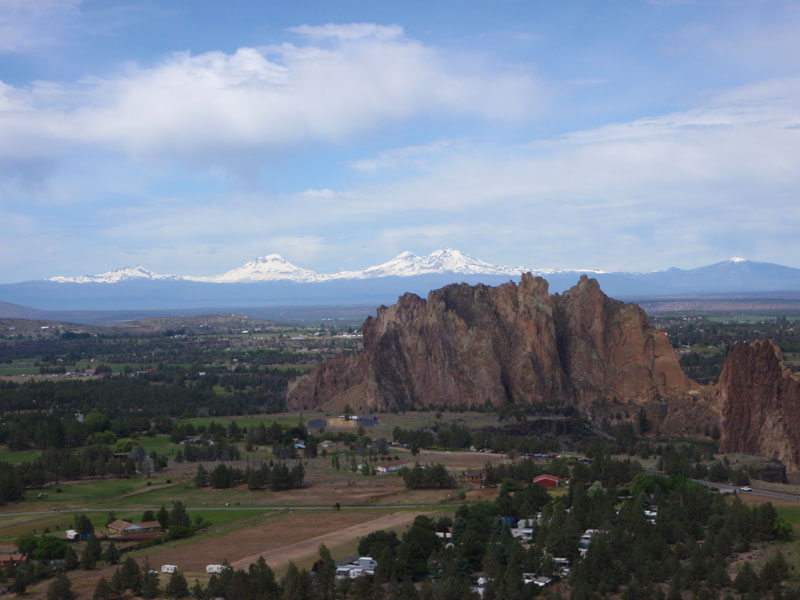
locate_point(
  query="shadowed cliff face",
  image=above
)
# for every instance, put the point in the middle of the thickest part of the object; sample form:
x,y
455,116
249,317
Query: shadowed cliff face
x,y
759,400
473,345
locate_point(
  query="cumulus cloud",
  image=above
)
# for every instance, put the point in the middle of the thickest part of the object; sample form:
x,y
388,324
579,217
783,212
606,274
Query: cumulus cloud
x,y
340,81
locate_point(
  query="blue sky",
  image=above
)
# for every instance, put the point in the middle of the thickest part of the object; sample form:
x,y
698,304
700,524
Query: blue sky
x,y
191,137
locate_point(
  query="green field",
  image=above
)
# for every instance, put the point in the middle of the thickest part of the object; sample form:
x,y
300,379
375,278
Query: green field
x,y
17,456
159,443
82,493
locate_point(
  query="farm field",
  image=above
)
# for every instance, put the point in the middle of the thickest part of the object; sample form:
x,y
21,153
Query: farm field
x,y
279,537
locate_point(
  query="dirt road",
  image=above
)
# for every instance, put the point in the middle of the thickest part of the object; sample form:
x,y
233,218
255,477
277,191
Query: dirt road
x,y
279,557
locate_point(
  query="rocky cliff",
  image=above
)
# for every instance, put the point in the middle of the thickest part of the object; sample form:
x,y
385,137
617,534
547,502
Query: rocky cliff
x,y
759,402
473,345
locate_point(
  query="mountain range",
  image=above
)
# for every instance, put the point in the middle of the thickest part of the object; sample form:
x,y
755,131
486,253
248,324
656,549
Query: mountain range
x,y
274,267
273,281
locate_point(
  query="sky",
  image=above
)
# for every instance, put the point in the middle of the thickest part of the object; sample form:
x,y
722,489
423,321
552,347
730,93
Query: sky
x,y
193,136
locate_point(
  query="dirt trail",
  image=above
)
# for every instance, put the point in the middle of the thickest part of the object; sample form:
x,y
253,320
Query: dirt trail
x,y
279,557
143,490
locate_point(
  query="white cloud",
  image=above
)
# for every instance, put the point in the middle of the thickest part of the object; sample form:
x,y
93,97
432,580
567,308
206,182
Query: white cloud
x,y
407,155
676,189
218,107
349,31
680,185
28,24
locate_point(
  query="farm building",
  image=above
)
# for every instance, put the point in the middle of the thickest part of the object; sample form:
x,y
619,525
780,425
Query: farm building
x,y
546,480
11,560
120,527
473,478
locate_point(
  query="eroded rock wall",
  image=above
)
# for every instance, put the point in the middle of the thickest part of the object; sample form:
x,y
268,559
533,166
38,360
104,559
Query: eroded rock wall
x,y
609,350
759,403
473,345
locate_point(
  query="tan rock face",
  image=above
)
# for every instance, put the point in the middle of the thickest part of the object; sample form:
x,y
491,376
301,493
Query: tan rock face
x,y
610,350
472,345
759,402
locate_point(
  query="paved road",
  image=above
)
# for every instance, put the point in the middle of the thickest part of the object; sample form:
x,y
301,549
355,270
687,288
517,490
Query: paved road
x,y
729,489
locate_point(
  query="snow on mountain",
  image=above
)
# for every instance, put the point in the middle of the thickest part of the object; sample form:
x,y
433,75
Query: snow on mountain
x,y
737,259
124,274
447,260
272,267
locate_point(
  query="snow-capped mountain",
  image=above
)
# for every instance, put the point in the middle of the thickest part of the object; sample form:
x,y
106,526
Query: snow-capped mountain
x,y
272,267
273,281
447,260
124,274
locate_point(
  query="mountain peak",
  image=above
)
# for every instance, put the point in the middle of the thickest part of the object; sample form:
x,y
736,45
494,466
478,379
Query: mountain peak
x,y
737,259
444,260
271,267
114,276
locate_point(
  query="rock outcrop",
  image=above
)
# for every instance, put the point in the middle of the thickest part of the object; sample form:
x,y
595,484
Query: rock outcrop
x,y
759,402
473,345
609,350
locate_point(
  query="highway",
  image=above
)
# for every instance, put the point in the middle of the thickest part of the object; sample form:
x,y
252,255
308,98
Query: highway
x,y
724,488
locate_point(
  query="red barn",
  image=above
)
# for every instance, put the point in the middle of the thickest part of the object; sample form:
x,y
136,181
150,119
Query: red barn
x,y
546,480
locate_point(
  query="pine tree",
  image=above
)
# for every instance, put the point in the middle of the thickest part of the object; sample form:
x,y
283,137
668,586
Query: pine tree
x,y
83,525
326,574
116,583
112,554
254,479
88,560
177,586
178,515
163,517
262,580
201,476
70,559
103,590
60,589
131,575
149,582
95,547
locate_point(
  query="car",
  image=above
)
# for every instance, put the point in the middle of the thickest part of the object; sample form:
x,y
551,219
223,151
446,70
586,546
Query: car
x,y
746,488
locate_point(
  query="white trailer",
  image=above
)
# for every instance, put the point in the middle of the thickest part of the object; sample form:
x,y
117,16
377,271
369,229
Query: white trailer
x,y
215,569
169,568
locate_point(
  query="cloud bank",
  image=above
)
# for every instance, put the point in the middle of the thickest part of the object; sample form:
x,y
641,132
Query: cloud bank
x,y
338,82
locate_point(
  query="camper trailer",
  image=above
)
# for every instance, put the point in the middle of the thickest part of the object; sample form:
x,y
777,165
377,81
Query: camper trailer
x,y
215,569
169,568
